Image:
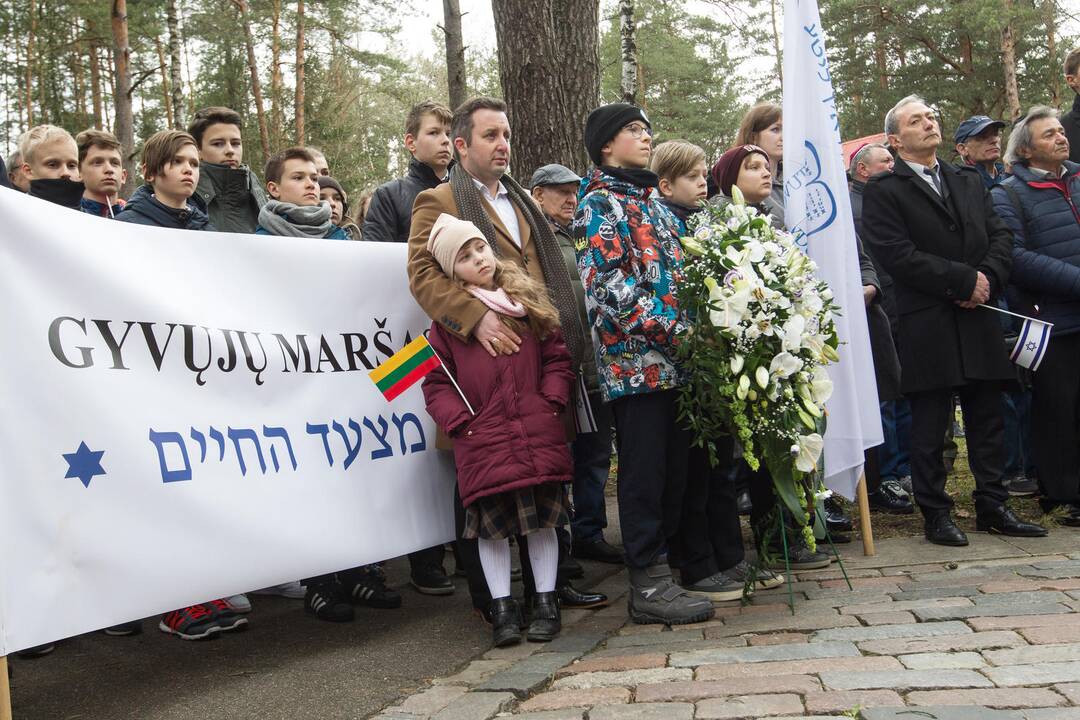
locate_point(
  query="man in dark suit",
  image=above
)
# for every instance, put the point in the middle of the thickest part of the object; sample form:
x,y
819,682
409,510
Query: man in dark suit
x,y
934,230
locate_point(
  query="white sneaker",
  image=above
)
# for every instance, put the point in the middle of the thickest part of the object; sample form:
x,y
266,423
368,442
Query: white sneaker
x,y
238,603
292,590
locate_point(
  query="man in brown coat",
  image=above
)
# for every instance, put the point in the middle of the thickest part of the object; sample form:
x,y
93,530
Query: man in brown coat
x,y
481,191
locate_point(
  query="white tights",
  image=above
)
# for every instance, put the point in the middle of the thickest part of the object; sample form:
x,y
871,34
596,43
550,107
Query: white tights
x,y
543,557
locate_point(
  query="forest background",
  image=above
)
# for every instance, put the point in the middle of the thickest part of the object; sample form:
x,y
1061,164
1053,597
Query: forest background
x,y
342,74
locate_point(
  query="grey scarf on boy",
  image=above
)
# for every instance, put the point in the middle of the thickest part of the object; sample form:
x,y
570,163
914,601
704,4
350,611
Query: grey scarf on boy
x,y
282,218
469,203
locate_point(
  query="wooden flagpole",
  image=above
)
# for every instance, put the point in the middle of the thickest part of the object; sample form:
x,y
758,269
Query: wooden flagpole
x,y
865,530
5,690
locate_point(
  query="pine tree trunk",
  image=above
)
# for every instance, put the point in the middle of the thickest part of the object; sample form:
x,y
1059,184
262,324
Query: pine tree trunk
x,y
176,82
78,76
166,99
547,105
256,85
30,42
776,43
95,82
1050,15
299,101
125,121
277,82
628,83
1008,62
455,53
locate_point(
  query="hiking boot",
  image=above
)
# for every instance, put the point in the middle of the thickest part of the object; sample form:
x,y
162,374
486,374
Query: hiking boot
x,y
655,598
718,587
327,601
195,622
367,586
505,621
764,577
545,620
226,618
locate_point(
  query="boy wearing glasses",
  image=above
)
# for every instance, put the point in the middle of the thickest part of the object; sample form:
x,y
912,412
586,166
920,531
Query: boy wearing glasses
x,y
630,263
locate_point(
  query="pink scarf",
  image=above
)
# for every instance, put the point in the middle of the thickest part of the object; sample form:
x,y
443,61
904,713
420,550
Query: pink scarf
x,y
498,301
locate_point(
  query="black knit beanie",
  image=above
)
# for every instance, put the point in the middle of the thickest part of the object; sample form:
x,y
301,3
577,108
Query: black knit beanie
x,y
326,181
606,121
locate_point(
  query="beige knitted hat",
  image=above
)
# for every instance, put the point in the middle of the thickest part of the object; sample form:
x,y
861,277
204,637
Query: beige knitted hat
x,y
448,236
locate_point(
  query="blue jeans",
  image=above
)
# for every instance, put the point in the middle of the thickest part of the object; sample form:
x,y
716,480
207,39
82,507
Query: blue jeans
x,y
1016,406
592,462
895,454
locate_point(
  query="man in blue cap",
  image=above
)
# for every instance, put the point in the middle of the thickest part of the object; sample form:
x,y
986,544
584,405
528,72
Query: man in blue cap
x,y
978,143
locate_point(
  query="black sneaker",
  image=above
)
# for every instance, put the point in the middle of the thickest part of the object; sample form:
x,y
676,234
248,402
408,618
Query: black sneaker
x,y
124,629
598,549
195,622
1023,487
718,587
36,651
367,586
891,497
431,580
328,602
801,558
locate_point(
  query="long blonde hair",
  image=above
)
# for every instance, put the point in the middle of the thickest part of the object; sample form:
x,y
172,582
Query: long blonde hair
x,y
542,316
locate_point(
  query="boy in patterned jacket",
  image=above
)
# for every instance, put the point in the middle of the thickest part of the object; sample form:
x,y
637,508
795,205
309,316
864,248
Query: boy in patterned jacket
x,y
630,263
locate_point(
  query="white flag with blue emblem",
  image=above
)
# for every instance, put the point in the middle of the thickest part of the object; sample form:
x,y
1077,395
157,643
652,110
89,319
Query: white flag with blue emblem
x,y
818,211
1031,345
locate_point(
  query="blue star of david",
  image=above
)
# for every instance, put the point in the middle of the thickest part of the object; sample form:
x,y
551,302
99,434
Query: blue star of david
x,y
1032,345
84,464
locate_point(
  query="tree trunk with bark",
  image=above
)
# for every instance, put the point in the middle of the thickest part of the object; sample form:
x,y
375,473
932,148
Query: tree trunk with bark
x,y
30,42
95,82
548,105
277,82
1049,8
125,121
776,43
166,98
455,53
1008,63
299,99
628,82
256,86
175,81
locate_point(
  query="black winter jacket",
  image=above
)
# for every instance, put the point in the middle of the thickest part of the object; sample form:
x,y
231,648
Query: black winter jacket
x,y
145,209
1071,122
390,212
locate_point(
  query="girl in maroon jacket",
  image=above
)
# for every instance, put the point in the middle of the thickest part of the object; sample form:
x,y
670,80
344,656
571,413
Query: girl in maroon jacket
x,y
509,441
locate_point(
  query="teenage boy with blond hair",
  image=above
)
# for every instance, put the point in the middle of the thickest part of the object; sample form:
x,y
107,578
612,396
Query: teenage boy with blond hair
x,y
50,161
101,165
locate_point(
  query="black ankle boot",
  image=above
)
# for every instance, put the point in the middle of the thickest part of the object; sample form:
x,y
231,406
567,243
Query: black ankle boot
x,y
546,620
505,622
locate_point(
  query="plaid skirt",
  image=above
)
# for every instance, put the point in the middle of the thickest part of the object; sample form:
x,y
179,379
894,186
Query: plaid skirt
x,y
516,512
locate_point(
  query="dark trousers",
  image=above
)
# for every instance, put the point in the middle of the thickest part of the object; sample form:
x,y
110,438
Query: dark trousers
x,y
894,455
1055,427
1019,458
932,414
710,536
592,463
653,448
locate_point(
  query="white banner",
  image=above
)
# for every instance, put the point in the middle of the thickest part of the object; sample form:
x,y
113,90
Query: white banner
x,y
817,209
187,416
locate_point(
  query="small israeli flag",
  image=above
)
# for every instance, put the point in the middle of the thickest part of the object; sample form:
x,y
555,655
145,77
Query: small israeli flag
x,y
1031,346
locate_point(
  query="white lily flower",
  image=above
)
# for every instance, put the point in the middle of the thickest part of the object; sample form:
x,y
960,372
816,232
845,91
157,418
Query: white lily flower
x,y
793,333
809,452
785,365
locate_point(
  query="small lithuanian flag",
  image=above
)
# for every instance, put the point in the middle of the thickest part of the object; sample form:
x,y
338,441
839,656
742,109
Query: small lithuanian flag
x,y
404,368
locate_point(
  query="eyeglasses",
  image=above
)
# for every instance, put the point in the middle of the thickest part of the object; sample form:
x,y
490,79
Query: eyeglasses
x,y
637,130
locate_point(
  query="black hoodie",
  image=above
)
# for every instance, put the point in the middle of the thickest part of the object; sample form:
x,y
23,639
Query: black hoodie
x,y
390,213
145,209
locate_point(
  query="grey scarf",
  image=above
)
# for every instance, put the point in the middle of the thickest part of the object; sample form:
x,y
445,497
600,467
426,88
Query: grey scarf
x,y
469,203
282,218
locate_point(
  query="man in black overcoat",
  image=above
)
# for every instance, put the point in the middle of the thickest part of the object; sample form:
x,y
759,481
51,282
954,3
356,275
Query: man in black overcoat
x,y
933,228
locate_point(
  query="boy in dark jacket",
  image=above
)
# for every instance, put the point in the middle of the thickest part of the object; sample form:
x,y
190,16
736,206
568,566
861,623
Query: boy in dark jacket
x,y
101,166
170,164
631,263
294,208
231,192
427,137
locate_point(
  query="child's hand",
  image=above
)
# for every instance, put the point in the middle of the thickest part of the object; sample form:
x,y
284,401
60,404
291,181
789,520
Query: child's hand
x,y
495,337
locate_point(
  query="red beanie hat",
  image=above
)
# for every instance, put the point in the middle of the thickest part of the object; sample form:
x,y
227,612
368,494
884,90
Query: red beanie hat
x,y
725,172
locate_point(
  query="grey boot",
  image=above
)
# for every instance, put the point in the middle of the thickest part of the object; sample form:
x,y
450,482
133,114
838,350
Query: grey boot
x,y
655,598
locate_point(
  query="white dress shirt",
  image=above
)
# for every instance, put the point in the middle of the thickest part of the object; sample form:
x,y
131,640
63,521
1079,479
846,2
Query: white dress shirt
x,y
504,207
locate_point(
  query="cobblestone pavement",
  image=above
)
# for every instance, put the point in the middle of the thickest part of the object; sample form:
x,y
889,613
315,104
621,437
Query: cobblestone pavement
x,y
986,632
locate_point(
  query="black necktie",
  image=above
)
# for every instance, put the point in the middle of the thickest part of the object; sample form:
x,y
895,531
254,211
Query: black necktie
x,y
933,175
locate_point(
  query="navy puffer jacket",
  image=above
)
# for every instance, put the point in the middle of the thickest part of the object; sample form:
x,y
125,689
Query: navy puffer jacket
x,y
1046,242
